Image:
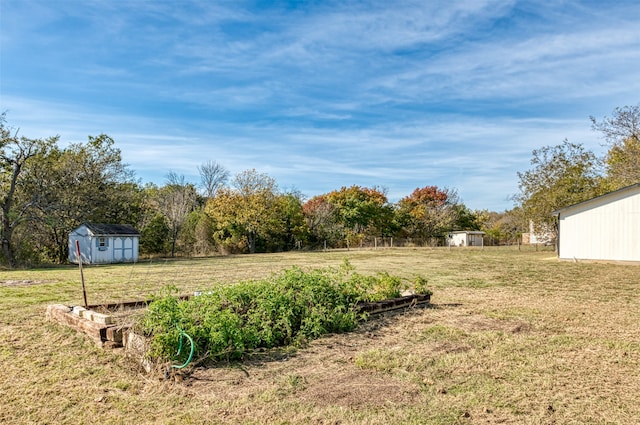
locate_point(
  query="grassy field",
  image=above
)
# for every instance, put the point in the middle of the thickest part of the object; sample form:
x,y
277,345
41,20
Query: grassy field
x,y
511,337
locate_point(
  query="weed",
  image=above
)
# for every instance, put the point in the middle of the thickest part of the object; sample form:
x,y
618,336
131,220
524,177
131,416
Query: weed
x,y
420,285
292,307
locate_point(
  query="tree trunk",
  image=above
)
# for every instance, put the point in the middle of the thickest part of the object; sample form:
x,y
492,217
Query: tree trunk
x,y
7,251
7,228
5,237
63,254
251,240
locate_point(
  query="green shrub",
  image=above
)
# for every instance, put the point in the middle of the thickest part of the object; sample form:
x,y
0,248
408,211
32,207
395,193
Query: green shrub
x,y
288,308
420,286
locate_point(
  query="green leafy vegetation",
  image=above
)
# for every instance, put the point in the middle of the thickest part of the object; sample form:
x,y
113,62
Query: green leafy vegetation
x,y
292,307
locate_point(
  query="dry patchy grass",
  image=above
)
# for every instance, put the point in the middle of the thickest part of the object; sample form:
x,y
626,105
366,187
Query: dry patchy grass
x,y
511,337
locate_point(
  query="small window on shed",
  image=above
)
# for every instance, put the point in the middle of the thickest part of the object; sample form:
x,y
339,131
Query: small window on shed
x,y
102,243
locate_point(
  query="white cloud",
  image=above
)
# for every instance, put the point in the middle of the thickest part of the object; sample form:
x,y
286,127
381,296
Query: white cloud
x,y
397,94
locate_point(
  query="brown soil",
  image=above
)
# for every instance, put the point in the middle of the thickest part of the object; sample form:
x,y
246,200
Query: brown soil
x,y
21,282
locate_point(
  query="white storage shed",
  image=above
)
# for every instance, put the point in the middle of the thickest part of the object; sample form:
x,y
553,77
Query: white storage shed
x,y
545,235
466,238
603,228
104,243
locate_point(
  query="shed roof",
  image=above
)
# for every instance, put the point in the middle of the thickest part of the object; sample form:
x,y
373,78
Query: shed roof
x,y
468,232
112,229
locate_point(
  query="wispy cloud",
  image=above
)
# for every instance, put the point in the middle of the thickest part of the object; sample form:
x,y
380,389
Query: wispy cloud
x,y
399,94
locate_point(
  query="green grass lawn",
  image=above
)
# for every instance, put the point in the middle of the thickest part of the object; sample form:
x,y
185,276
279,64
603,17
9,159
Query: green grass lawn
x,y
511,337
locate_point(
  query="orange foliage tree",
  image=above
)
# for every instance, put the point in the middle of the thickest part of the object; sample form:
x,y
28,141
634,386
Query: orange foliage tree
x,y
429,212
350,214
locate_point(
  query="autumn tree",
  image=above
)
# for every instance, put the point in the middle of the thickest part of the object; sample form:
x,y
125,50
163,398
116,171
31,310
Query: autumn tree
x,y
429,212
245,212
292,231
622,134
321,220
561,176
360,211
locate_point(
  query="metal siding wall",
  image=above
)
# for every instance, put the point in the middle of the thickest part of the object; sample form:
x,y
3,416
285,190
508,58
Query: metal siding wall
x,y
459,239
609,231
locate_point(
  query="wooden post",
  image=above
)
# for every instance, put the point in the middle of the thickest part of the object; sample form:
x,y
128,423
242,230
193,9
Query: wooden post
x,y
84,291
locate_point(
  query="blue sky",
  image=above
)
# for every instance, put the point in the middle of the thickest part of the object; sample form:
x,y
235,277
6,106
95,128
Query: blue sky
x,y
323,94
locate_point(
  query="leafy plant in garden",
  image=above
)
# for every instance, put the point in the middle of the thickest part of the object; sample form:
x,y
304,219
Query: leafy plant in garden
x,y
420,285
289,308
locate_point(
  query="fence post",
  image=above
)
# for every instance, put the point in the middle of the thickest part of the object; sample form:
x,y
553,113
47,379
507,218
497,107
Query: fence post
x,y
84,291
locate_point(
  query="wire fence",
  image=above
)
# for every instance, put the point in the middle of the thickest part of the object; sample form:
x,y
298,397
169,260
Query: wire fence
x,y
395,242
152,277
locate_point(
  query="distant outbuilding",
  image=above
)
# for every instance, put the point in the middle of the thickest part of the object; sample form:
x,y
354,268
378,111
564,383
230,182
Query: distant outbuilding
x,y
466,238
603,228
544,235
104,243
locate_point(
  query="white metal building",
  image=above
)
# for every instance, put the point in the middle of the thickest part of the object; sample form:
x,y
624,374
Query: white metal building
x,y
104,243
602,228
466,238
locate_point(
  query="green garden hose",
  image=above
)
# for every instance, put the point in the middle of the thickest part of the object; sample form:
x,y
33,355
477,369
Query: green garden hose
x,y
183,334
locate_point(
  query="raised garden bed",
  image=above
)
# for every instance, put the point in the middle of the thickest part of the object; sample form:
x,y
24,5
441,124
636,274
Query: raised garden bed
x,y
104,324
231,321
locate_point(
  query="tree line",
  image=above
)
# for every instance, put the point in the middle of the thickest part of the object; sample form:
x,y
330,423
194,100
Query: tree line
x,y
568,173
47,191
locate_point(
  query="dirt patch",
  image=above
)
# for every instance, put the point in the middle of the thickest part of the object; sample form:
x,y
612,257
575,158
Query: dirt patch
x,y
356,388
479,324
25,282
402,367
322,374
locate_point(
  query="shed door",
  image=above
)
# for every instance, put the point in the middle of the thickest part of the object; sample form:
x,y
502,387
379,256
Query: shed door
x,y
123,249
